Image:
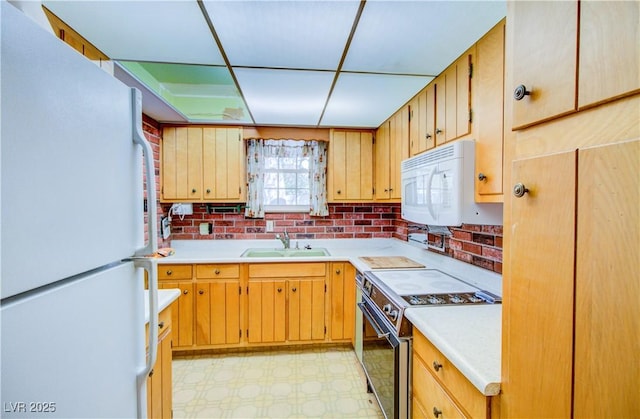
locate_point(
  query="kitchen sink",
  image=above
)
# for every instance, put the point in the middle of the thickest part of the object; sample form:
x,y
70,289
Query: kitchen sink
x,y
284,253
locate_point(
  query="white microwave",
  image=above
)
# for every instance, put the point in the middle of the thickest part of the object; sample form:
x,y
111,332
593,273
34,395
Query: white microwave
x,y
438,188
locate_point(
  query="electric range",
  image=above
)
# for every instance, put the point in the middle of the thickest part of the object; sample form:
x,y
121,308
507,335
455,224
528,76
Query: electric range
x,y
392,291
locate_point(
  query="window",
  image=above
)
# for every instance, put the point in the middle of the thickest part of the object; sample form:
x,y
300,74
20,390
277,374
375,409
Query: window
x,y
286,183
286,175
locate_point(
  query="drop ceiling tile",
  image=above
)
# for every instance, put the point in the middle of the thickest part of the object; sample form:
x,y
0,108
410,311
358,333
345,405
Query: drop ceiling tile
x,y
418,37
283,34
367,100
285,97
150,30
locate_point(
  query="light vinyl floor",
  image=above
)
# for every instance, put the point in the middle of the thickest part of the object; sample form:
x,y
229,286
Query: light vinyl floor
x,y
300,382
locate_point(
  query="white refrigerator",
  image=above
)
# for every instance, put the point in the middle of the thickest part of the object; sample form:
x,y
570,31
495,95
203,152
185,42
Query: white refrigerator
x,y
72,306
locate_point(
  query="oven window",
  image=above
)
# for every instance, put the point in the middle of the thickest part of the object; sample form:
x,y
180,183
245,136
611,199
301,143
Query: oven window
x,y
379,359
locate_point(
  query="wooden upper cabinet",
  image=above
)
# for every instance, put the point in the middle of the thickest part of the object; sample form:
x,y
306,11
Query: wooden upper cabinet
x,y
489,114
391,147
453,100
72,38
544,36
609,52
350,172
202,164
182,164
223,164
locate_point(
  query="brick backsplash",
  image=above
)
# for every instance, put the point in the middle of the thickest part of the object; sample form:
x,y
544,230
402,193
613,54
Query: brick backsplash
x,y
480,245
359,221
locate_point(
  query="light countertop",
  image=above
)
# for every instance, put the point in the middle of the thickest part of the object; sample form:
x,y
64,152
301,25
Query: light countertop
x,y
165,298
470,337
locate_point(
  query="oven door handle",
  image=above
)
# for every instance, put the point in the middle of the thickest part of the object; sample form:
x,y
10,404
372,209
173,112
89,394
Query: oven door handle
x,y
376,327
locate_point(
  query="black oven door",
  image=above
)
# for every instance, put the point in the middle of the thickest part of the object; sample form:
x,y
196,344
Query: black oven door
x,y
385,359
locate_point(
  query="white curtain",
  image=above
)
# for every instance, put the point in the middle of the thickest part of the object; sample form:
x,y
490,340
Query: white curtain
x,y
257,152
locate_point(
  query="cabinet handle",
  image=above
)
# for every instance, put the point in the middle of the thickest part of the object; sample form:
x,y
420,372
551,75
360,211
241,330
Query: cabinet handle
x,y
160,325
520,92
217,272
438,131
200,292
169,272
185,292
338,191
482,177
338,271
279,289
437,365
208,190
427,136
436,412
193,190
294,289
519,190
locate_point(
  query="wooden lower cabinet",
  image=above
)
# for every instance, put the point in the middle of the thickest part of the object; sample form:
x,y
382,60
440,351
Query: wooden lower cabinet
x,y
440,390
159,382
286,302
239,305
342,286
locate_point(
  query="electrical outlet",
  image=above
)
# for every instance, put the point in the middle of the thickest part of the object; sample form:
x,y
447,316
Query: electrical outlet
x,y
205,228
269,226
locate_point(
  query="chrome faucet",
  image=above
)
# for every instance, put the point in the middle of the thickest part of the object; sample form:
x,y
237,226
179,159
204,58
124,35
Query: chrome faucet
x,y
286,242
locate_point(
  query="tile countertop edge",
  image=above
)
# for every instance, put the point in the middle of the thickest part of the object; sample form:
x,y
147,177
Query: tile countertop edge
x,y
470,341
165,298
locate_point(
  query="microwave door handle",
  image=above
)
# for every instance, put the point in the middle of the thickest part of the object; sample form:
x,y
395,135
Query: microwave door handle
x,y
428,197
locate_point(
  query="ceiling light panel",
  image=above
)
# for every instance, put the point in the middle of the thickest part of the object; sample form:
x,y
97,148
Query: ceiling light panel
x,y
283,34
161,31
367,100
285,97
418,37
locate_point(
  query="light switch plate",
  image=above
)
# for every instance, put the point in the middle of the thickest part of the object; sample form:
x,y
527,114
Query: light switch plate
x,y
269,226
204,229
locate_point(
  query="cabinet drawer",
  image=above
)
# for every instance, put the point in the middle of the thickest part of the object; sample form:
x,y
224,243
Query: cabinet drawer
x,y
217,271
174,272
430,397
465,393
164,324
287,270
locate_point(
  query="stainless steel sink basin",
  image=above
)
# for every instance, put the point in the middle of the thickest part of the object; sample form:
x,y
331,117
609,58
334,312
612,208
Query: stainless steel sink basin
x,y
284,253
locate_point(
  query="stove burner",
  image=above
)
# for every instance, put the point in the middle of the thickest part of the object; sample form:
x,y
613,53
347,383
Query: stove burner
x,y
452,299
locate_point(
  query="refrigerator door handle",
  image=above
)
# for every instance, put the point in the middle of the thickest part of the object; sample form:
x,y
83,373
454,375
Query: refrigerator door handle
x,y
150,265
147,151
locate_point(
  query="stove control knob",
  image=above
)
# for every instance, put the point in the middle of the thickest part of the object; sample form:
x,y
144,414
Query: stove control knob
x,y
386,308
394,315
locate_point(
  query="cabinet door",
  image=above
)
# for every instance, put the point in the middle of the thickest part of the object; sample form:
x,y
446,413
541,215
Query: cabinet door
x,y
544,39
489,117
463,93
217,312
182,163
306,309
266,311
159,383
607,366
538,304
398,151
609,52
383,159
430,109
223,160
343,301
351,165
181,313
441,108
418,123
